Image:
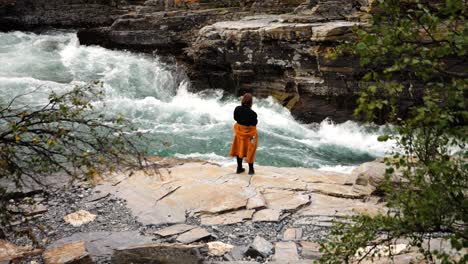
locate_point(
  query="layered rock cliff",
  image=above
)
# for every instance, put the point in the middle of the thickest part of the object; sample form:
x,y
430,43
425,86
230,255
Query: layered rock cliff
x,y
268,47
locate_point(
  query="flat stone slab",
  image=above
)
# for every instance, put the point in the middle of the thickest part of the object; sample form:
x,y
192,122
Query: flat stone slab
x,y
68,253
174,230
267,215
256,202
310,250
285,200
285,251
103,244
209,191
193,235
158,253
292,234
227,218
218,248
324,205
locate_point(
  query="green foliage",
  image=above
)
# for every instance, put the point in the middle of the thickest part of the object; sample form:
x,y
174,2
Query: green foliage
x,y
65,135
415,51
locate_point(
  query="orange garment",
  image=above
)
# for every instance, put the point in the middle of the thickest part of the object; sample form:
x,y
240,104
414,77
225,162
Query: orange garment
x,y
244,144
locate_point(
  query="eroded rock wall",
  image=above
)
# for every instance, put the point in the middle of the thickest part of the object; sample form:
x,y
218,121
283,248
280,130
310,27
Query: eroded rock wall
x,y
32,14
267,47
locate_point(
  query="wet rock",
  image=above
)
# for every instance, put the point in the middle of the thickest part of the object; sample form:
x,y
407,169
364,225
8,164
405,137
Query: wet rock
x,y
259,248
218,248
158,253
193,235
267,215
11,252
227,218
72,253
79,218
174,230
286,252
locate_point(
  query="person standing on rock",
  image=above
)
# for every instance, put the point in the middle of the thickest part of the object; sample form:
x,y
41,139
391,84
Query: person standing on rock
x,y
244,144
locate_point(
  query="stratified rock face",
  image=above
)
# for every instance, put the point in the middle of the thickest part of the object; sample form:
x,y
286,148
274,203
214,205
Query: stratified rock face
x,y
282,56
30,14
279,52
167,32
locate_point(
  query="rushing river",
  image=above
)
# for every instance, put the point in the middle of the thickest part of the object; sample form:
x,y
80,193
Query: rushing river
x,y
177,122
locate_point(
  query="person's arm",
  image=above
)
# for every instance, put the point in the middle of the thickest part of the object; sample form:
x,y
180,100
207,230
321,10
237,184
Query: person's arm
x,y
255,121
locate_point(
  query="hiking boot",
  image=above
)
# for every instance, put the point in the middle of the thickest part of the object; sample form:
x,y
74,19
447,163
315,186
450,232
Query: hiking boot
x,y
251,169
240,170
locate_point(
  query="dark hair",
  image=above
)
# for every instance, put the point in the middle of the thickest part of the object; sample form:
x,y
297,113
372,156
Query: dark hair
x,y
247,100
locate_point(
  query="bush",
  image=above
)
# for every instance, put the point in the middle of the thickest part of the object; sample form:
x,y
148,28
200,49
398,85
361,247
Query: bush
x,y
416,50
66,135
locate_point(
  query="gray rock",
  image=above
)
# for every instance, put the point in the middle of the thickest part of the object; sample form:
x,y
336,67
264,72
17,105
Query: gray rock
x,y
259,247
157,253
237,253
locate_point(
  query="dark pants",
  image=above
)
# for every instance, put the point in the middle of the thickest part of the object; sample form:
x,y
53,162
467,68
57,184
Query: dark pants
x,y
239,164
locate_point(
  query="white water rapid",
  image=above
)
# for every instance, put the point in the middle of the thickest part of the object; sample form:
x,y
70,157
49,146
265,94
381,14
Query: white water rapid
x,y
178,123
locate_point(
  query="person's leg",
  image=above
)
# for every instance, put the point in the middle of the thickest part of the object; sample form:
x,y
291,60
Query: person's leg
x,y
239,165
251,169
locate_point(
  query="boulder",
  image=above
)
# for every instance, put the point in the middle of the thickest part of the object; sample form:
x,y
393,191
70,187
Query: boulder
x,y
370,175
259,247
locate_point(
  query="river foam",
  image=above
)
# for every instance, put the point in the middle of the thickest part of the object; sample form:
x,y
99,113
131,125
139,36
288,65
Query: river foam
x,y
177,122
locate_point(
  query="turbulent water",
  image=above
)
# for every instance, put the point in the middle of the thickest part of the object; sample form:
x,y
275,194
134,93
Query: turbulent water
x,y
177,122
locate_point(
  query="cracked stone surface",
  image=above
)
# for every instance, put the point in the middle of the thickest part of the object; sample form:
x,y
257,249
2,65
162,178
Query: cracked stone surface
x,y
221,197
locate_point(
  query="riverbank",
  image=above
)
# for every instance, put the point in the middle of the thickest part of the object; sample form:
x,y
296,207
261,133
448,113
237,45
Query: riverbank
x,y
278,214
